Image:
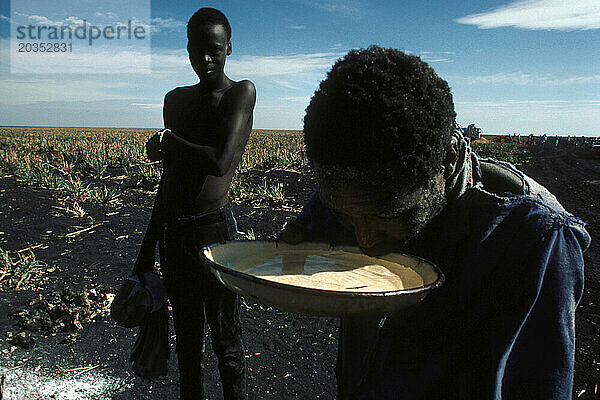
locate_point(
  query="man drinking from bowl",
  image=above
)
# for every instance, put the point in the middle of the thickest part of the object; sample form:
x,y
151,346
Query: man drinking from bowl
x,y
396,174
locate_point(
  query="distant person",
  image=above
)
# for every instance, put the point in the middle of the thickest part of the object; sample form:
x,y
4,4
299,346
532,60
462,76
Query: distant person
x,y
208,125
396,174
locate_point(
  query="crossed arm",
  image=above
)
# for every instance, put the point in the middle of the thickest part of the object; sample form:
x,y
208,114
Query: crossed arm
x,y
236,108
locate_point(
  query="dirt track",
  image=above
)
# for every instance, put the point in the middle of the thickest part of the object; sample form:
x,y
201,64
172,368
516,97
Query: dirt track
x,y
289,356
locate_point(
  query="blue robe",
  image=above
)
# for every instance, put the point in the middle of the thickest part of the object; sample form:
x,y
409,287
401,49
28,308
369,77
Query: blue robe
x,y
502,326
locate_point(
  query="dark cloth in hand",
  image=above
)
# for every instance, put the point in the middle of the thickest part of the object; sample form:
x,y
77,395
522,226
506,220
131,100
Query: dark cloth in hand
x,y
151,349
142,301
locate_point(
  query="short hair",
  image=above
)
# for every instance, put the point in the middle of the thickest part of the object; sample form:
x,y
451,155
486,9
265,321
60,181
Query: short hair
x,y
207,16
382,112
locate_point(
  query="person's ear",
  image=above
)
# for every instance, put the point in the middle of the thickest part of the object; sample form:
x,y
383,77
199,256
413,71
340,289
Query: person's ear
x,y
229,48
451,158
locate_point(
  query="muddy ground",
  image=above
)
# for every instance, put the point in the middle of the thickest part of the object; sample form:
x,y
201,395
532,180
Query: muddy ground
x,y
288,356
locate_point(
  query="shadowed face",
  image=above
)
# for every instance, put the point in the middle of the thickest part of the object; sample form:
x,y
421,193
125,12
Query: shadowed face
x,y
382,220
208,49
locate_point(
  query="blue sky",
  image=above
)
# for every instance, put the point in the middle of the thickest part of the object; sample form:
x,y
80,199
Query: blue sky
x,y
513,66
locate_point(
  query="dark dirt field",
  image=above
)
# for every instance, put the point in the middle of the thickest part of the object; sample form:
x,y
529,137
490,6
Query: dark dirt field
x,y
288,356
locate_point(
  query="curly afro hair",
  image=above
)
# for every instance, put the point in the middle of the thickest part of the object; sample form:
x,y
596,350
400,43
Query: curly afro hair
x,y
382,111
207,16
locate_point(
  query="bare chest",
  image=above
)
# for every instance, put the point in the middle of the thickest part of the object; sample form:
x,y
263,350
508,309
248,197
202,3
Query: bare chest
x,y
197,119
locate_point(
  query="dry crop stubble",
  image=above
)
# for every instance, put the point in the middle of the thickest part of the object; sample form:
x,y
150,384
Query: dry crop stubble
x,y
18,268
89,153
84,163
81,165
288,344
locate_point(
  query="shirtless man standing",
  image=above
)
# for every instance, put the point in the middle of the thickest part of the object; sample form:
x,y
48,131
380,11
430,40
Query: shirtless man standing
x,y
207,128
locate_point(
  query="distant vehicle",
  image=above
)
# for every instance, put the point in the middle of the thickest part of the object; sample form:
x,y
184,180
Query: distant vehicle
x,y
472,132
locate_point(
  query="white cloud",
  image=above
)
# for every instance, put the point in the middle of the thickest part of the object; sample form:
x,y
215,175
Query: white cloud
x,y
297,27
148,105
353,9
170,59
523,79
292,72
540,14
4,18
159,23
137,22
173,66
42,20
74,20
536,103
284,83
434,60
105,57
86,61
579,80
108,14
343,8
39,19
264,66
296,99
433,56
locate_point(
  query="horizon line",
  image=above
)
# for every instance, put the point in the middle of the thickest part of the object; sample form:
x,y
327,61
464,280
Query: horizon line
x,y
261,129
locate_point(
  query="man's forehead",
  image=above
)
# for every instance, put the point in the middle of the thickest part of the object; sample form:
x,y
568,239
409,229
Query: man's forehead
x,y
361,179
208,32
361,197
351,198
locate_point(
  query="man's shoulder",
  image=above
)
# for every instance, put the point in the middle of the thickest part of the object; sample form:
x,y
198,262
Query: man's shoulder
x,y
241,90
507,184
534,208
243,85
180,93
514,224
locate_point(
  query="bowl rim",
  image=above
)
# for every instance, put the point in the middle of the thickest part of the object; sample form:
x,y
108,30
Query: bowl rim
x,y
422,289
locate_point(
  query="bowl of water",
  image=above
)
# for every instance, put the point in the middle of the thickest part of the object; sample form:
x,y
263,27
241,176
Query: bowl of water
x,y
320,279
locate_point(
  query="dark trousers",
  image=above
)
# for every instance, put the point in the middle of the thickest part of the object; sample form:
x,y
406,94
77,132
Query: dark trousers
x,y
196,296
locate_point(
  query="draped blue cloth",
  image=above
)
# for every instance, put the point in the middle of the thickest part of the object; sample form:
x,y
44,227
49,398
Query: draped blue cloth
x,y
502,324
